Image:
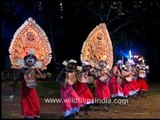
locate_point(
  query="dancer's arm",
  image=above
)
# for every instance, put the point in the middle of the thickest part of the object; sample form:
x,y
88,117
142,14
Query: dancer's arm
x,y
39,74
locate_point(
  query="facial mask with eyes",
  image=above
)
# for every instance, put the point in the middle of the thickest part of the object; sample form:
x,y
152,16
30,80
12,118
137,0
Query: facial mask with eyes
x,y
142,66
71,66
30,60
103,64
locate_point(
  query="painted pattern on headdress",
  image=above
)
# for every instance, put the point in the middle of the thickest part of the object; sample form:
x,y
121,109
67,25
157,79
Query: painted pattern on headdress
x,y
30,36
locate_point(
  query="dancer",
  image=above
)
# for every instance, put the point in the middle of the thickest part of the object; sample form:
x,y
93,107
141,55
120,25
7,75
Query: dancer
x,y
115,81
82,89
129,86
70,99
30,52
102,89
29,97
143,69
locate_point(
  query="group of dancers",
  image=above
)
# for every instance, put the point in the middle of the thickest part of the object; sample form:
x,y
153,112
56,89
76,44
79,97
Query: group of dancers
x,y
30,52
124,80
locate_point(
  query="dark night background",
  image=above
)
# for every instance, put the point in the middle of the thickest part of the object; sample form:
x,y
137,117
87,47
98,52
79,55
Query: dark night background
x,y
133,25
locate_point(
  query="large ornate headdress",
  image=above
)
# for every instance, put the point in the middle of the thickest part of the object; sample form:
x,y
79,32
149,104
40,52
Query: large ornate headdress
x,y
30,36
97,45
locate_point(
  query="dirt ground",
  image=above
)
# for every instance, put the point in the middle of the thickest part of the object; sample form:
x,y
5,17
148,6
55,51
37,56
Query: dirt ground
x,y
143,107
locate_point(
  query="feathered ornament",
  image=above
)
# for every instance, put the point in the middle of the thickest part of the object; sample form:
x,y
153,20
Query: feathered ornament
x,y
65,63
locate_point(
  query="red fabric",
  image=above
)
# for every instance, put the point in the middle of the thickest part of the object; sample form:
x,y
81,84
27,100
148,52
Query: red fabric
x,y
135,84
115,87
143,86
30,101
129,88
102,90
69,97
83,92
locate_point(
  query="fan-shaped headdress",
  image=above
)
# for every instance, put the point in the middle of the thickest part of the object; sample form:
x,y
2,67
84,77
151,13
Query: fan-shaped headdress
x,y
97,45
30,37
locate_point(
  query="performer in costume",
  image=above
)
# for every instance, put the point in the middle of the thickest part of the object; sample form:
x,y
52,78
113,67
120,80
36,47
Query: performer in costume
x,y
81,87
129,85
143,69
97,45
103,75
115,81
70,99
134,76
30,52
29,97
134,68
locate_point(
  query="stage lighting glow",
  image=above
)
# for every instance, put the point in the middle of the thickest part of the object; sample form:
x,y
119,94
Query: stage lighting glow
x,y
130,54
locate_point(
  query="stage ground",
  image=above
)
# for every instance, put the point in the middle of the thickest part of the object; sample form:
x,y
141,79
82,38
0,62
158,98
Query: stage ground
x,y
143,107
